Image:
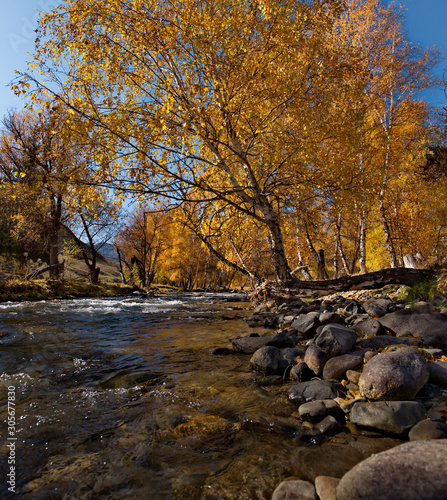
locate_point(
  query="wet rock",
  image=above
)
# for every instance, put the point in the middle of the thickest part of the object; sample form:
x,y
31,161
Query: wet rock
x,y
383,341
422,320
301,372
315,358
411,471
336,367
368,326
266,360
396,417
325,487
221,351
307,323
428,429
336,340
315,411
295,490
373,308
397,375
249,345
438,373
281,340
329,426
313,390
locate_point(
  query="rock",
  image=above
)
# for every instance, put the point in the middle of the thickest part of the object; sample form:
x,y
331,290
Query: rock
x,y
307,323
396,417
315,358
301,372
249,345
428,429
396,375
382,341
373,308
336,367
325,487
422,320
336,340
352,307
368,327
330,317
281,340
288,354
438,373
353,376
411,471
295,490
313,390
221,351
266,360
315,411
329,426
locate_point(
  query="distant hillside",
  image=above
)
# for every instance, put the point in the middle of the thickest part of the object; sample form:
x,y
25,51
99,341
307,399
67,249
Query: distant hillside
x,y
109,252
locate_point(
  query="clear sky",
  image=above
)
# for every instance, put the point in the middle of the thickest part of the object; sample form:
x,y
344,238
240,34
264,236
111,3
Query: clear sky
x,y
426,25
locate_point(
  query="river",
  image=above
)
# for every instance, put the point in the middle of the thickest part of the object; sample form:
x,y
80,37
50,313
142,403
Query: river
x,y
120,398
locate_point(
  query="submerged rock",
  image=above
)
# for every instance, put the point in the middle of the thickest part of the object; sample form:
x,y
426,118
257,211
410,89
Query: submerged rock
x,y
250,344
411,471
397,375
295,490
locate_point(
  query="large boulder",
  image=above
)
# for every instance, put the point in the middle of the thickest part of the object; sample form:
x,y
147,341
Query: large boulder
x,y
411,471
313,390
421,320
396,417
266,360
396,375
336,339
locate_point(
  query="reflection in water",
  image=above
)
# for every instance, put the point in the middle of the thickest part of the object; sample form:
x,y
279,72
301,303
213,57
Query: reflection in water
x,y
119,398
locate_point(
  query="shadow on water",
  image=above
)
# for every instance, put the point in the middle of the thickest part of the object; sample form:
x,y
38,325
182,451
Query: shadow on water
x,y
120,399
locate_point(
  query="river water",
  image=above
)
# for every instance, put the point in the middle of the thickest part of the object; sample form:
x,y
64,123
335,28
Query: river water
x,y
120,399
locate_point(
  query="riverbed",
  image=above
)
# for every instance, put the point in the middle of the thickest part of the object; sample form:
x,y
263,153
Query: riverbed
x,y
120,398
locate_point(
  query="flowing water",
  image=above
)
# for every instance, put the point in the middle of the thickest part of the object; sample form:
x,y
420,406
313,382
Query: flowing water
x,y
120,399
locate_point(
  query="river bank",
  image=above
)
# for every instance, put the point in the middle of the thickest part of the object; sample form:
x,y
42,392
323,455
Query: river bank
x,y
361,362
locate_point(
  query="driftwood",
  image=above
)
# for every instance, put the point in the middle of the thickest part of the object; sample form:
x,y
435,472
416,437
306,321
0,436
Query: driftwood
x,y
35,274
368,281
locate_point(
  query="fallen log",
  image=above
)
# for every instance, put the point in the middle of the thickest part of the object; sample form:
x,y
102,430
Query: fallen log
x,y
369,281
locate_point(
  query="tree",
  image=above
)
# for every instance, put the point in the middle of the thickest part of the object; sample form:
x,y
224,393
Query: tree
x,y
228,98
35,159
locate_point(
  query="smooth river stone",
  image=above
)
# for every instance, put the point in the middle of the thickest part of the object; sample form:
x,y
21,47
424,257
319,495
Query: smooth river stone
x,y
411,471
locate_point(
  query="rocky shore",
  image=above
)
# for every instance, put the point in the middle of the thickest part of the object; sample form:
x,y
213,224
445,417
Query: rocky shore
x,y
355,362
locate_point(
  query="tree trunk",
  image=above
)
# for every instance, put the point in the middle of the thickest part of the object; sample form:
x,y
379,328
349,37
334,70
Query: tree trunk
x,y
362,249
387,232
369,281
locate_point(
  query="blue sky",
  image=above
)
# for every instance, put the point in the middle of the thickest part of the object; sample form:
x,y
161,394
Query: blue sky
x,y
426,24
